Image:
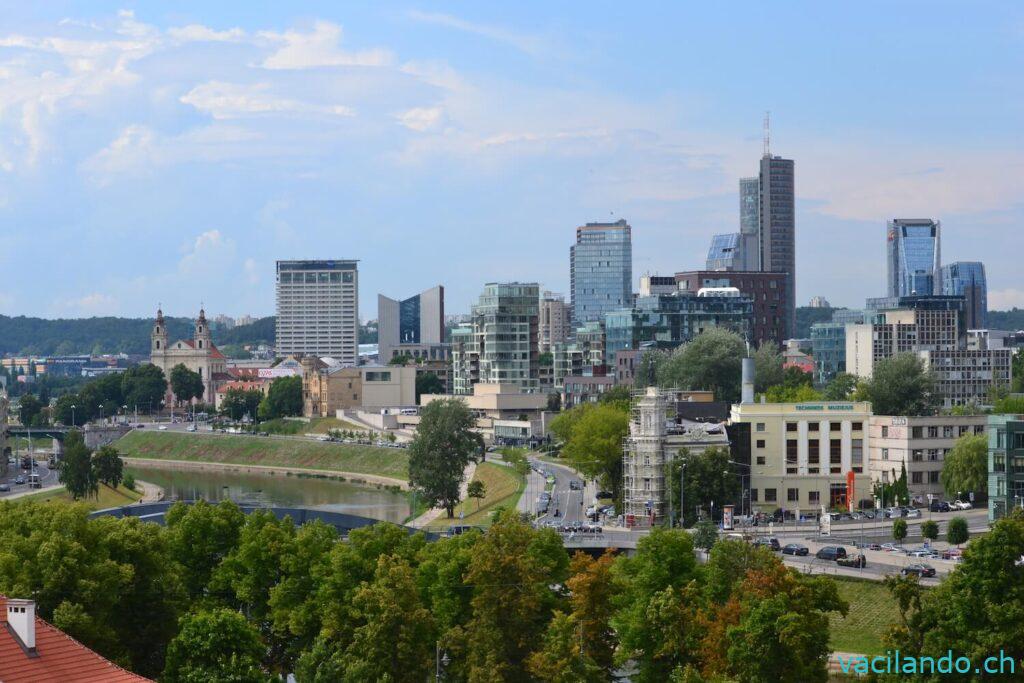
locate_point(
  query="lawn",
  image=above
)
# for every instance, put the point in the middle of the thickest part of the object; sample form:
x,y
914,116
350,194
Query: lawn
x,y
317,425
872,610
108,497
273,452
503,485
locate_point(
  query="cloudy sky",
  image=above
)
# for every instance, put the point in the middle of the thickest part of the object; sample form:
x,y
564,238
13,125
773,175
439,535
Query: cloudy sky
x,y
170,152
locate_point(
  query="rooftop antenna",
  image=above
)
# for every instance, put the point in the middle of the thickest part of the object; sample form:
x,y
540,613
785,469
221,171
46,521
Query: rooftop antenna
x,y
767,133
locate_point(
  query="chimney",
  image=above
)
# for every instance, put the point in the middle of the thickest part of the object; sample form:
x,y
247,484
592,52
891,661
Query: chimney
x,y
747,391
21,621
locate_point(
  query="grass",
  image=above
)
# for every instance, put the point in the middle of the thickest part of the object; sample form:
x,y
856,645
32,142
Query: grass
x,y
503,486
872,611
316,425
108,497
253,450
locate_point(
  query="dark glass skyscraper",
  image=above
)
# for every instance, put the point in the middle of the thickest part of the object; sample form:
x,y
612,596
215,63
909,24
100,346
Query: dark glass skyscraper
x,y
777,227
914,251
967,279
601,270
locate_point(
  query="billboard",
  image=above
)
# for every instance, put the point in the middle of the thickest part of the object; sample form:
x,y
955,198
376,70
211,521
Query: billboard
x,y
851,490
727,522
274,373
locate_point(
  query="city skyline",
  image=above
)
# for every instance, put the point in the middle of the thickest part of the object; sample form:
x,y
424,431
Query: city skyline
x,y
323,133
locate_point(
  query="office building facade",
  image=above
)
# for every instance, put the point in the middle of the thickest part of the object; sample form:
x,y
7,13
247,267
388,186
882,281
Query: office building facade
x,y
1005,465
777,228
600,270
913,256
967,279
555,324
767,291
318,309
412,327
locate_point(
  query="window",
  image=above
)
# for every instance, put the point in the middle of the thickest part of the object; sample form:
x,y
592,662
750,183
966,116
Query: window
x,y
760,443
814,497
885,431
916,477
933,477
791,427
769,495
933,432
857,455
835,456
917,432
813,452
857,426
947,432
791,451
760,460
759,427
917,455
793,495
753,495
885,454
812,426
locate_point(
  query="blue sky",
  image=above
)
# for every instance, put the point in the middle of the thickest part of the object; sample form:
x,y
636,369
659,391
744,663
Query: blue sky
x,y
155,152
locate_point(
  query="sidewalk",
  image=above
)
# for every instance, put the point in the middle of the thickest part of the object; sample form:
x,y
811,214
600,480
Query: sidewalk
x,y
151,493
433,513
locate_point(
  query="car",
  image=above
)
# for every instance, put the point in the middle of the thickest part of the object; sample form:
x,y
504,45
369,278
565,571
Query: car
x,y
913,513
961,505
795,549
868,514
604,495
457,530
939,506
919,570
930,554
162,428
831,552
575,485
19,480
768,542
857,561
894,513
890,547
873,546
5,487
190,428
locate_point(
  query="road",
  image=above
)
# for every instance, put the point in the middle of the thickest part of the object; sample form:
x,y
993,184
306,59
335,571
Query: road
x,y
47,476
571,504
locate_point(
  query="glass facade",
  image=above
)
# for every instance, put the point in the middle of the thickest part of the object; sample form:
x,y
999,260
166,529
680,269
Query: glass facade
x,y
1005,464
409,321
829,343
725,252
967,279
914,247
600,270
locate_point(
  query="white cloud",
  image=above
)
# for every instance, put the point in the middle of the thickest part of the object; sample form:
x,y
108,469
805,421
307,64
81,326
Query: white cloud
x,y
208,254
531,45
422,118
233,100
89,305
200,33
1005,299
318,48
252,271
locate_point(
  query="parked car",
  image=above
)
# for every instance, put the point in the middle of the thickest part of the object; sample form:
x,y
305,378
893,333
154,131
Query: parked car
x,y
961,505
191,428
5,487
939,506
890,547
894,513
858,561
457,530
919,570
912,513
873,546
795,549
769,542
868,514
162,428
831,552
923,553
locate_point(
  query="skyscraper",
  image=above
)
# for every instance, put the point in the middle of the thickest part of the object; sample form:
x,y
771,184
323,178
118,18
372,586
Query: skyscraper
x,y
750,224
914,251
318,309
967,279
601,270
777,227
413,326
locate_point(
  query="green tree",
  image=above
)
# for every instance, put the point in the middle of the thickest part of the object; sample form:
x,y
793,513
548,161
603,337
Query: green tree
x,y
617,394
554,402
108,466
476,489
562,658
63,413
186,384
899,530
841,387
201,536
901,385
648,368
709,478
957,532
705,535
283,399
930,529
965,467
768,370
29,410
143,385
76,470
803,393
711,361
592,436
444,445
237,403
216,645
428,383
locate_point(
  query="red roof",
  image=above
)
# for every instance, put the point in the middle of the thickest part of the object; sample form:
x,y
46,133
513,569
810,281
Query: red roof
x,y
214,351
60,658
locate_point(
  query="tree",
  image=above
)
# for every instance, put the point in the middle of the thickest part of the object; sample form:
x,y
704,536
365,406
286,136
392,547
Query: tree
x,y
899,530
708,479
900,385
594,444
705,534
215,645
143,385
283,399
108,466
965,467
76,470
648,368
186,384
803,393
476,489
617,394
711,361
238,403
64,414
444,445
200,537
428,383
957,533
841,387
554,402
768,370
29,410
930,529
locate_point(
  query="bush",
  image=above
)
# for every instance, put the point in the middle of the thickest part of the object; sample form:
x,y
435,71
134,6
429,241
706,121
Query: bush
x,y
129,481
958,533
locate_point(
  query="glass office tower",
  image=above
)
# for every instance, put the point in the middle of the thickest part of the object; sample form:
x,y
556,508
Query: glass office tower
x,y
601,270
777,229
967,279
913,257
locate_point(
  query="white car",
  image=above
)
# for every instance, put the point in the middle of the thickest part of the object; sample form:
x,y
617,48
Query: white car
x,y
961,505
913,513
162,428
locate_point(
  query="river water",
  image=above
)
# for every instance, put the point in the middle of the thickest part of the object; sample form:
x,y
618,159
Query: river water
x,y
276,489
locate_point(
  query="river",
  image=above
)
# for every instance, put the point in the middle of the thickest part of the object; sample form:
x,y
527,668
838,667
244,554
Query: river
x,y
276,489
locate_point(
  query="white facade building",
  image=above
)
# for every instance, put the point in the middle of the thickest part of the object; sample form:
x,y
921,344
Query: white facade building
x,y
318,309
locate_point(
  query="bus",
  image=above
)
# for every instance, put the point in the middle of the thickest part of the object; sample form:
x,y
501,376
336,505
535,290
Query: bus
x,y
34,482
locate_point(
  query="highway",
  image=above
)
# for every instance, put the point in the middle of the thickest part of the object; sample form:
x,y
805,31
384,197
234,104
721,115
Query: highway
x,y
47,476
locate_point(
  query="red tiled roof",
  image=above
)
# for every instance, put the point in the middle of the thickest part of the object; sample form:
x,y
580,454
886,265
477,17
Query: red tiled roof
x,y
244,373
215,352
61,658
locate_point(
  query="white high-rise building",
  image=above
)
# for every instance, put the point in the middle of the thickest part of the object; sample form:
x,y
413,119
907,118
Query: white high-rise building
x,y
318,309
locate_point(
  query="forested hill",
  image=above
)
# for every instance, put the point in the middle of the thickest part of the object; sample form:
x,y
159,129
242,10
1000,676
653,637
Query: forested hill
x,y
38,336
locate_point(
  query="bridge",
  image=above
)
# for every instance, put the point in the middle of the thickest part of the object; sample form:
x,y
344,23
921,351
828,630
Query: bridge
x,y
96,436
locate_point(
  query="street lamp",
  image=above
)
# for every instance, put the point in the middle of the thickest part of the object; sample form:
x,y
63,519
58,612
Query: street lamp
x,y
441,661
73,406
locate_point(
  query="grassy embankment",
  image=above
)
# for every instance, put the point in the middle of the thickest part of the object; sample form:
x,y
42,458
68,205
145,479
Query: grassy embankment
x,y
231,449
872,611
316,425
108,497
502,488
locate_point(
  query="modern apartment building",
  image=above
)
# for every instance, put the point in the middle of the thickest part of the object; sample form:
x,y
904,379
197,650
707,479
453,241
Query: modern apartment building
x,y
767,291
413,326
499,346
600,270
777,229
726,252
669,320
914,254
1005,464
584,356
828,349
965,376
920,445
967,279
555,324
652,285
318,309
802,454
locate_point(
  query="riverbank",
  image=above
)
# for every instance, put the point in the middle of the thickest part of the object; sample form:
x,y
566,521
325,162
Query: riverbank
x,y
387,466
106,497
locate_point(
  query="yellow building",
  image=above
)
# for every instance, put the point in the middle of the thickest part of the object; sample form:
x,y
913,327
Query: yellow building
x,y
801,454
326,389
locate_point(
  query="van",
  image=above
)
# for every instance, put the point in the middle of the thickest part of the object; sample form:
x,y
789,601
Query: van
x,y
831,553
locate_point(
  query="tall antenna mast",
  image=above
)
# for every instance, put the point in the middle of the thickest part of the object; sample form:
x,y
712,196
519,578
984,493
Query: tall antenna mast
x,y
767,133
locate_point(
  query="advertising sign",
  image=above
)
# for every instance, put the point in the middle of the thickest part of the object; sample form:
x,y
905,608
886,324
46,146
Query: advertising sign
x,y
851,490
727,522
826,522
274,373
